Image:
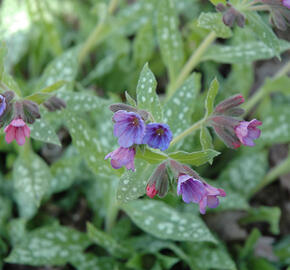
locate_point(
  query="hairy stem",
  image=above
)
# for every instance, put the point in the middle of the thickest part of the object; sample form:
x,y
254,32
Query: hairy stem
x,y
193,61
260,93
94,37
188,131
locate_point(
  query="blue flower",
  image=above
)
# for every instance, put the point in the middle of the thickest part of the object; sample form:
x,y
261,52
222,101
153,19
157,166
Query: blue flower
x,y
158,135
122,157
2,105
129,128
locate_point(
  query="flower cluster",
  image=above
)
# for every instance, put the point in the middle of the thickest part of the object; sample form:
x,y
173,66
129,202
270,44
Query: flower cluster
x,y
131,130
15,115
229,128
231,15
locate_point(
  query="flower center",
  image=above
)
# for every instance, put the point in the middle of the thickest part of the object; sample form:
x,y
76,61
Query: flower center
x,y
159,131
135,122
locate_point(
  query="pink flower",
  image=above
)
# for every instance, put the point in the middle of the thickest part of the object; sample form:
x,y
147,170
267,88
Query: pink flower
x,y
286,3
122,157
151,190
210,198
248,131
17,130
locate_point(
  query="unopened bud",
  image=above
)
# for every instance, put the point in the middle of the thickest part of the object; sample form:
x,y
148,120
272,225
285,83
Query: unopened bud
x,y
120,106
220,7
229,17
229,103
240,20
9,95
54,103
179,168
158,182
31,111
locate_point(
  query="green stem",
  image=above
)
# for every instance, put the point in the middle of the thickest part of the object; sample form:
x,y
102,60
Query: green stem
x,y
191,64
95,36
187,132
112,208
261,91
274,173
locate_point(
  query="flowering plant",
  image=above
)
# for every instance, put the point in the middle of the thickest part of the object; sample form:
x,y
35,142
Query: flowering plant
x,y
177,172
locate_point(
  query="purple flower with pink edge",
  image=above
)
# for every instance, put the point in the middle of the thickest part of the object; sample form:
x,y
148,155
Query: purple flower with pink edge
x,y
129,128
2,104
17,130
122,157
248,131
192,190
158,135
210,199
286,3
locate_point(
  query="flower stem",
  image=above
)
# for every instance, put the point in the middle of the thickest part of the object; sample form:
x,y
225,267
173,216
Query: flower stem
x,y
193,61
95,36
273,174
186,132
259,94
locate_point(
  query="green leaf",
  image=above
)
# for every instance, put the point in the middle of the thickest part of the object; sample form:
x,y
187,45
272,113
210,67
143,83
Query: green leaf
x,y
210,98
107,241
151,156
162,221
246,52
52,245
85,140
276,127
282,250
264,214
208,256
63,68
245,172
42,131
131,101
205,139
169,37
147,98
250,244
63,173
46,93
132,185
89,261
214,22
31,182
280,84
263,31
194,158
215,2
143,46
180,107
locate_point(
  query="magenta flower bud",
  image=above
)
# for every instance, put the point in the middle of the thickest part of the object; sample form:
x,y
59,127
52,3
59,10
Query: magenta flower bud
x,y
17,130
192,190
286,3
229,103
248,131
158,182
210,199
30,111
158,135
122,157
151,190
129,128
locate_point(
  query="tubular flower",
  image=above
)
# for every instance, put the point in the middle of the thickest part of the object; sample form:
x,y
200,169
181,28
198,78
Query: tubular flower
x,y
122,157
248,131
129,128
17,130
158,135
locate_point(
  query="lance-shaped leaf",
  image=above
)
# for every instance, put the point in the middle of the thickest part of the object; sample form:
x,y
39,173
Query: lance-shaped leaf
x,y
194,158
51,245
151,156
31,182
210,98
162,221
214,22
169,37
147,98
132,185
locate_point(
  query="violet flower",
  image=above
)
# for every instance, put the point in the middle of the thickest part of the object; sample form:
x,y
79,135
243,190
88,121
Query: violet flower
x,y
286,3
129,128
210,199
122,157
248,131
17,130
2,105
192,190
158,135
